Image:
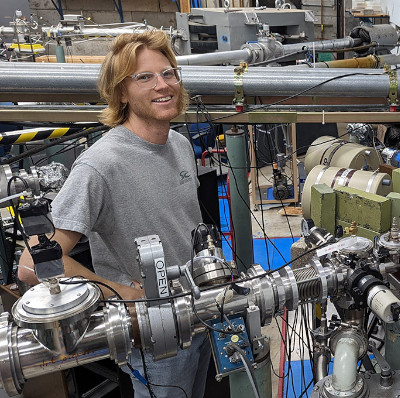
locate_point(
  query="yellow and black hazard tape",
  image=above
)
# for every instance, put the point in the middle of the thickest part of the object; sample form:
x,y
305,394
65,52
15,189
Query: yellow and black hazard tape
x,y
35,134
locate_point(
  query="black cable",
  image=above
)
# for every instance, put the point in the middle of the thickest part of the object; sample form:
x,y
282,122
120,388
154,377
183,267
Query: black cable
x,y
157,385
10,261
120,299
252,214
283,57
262,217
66,148
306,388
274,176
206,324
193,245
221,308
170,386
15,208
243,355
57,141
146,375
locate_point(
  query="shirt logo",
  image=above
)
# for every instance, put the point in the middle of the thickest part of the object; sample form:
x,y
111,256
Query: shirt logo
x,y
185,177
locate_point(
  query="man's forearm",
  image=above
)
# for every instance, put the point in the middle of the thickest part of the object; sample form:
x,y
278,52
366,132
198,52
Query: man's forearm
x,y
73,268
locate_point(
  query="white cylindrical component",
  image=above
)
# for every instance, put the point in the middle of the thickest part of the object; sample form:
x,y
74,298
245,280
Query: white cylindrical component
x,y
380,299
329,151
367,181
344,374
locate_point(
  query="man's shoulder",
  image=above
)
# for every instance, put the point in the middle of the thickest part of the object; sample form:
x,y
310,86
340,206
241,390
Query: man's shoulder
x,y
103,149
178,138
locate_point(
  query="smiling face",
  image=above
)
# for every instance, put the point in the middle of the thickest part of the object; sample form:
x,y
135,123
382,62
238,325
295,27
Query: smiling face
x,y
151,106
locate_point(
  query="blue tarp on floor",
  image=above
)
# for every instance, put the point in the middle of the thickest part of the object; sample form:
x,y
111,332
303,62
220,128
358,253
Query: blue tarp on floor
x,y
278,250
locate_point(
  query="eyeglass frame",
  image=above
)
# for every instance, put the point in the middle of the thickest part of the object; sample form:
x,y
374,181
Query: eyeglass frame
x,y
178,71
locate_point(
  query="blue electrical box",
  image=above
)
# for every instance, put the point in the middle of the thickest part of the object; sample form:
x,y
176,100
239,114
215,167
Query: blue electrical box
x,y
227,359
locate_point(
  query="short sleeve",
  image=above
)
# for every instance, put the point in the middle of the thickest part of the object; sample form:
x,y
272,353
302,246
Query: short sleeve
x,y
82,203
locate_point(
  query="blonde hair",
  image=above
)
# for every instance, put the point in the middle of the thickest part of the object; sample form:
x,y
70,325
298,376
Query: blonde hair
x,y
120,62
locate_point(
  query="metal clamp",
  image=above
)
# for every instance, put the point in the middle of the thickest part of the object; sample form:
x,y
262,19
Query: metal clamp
x,y
150,256
392,99
239,99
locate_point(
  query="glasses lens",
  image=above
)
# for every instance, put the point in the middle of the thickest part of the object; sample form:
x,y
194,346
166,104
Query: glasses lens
x,y
172,76
146,79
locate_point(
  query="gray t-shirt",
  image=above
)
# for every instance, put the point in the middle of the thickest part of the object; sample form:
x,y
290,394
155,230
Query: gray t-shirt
x,y
124,187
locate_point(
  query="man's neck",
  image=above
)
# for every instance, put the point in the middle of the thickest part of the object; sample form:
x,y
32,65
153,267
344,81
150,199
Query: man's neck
x,y
155,132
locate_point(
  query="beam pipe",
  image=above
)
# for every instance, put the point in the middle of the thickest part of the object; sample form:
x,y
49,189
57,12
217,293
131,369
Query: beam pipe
x,y
16,81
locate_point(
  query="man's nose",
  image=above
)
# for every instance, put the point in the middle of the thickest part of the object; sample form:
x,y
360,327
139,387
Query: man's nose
x,y
160,83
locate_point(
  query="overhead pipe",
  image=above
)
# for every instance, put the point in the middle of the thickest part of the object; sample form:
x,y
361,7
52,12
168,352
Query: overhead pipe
x,y
102,32
265,50
220,57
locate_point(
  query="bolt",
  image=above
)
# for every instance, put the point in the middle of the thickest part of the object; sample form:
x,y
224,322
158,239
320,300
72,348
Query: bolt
x,y
327,384
27,302
353,390
51,305
32,289
316,388
78,294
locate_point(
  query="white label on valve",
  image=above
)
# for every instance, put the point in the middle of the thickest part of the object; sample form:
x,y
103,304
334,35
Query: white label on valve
x,y
162,281
336,246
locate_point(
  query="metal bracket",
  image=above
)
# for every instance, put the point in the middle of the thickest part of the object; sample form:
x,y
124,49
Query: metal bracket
x,y
253,325
251,18
393,99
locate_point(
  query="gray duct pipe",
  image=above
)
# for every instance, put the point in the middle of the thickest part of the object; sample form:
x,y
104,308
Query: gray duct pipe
x,y
52,82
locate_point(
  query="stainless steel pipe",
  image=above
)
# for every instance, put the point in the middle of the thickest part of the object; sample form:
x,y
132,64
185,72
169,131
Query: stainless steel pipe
x,y
36,360
23,356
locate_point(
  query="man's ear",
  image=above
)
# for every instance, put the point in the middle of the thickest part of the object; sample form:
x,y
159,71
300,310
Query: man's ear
x,y
124,94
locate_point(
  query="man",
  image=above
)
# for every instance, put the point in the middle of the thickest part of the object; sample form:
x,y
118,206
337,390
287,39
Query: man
x,y
139,179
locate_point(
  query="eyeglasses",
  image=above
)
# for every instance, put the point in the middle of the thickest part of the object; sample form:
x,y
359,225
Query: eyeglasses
x,y
149,80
